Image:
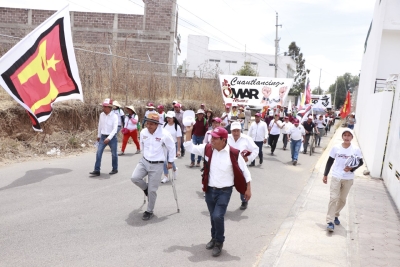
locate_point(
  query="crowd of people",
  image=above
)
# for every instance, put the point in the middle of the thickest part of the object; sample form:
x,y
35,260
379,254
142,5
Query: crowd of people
x,y
220,142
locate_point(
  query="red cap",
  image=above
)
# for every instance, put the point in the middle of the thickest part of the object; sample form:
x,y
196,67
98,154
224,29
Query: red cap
x,y
258,115
296,121
177,105
160,107
219,132
217,119
202,105
286,117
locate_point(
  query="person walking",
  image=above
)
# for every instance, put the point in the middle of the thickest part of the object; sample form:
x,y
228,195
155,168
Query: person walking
x,y
172,126
153,139
285,131
226,116
223,169
274,130
216,122
130,130
247,117
320,122
351,120
107,136
117,109
296,135
209,118
179,116
258,132
248,150
199,131
345,158
309,127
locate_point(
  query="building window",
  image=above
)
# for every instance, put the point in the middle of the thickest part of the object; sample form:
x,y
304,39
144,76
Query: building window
x,y
230,61
253,63
214,60
271,64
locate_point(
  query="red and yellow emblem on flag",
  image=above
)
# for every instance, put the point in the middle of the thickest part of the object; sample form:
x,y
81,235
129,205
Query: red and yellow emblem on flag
x,y
45,72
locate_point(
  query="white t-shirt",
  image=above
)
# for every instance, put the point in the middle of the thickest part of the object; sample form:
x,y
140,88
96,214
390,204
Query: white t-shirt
x,y
341,154
227,118
275,127
296,133
286,127
320,123
174,133
119,113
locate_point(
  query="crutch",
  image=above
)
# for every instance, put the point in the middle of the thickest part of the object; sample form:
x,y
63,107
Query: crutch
x,y
171,177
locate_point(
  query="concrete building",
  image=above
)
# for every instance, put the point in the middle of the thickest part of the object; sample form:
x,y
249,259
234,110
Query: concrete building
x,y
203,62
153,34
378,99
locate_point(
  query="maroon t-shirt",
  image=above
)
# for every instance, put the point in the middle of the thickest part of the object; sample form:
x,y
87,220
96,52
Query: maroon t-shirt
x,y
200,127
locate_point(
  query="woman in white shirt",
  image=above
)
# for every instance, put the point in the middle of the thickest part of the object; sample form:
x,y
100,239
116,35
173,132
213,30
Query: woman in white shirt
x,y
172,126
130,129
320,122
274,128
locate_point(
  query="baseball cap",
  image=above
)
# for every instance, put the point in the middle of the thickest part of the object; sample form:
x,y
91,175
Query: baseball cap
x,y
236,125
258,115
174,102
286,117
296,121
219,132
170,114
160,107
310,117
200,111
217,119
349,131
150,105
107,102
177,105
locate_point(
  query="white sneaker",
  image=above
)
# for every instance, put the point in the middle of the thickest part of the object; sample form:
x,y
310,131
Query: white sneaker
x,y
165,180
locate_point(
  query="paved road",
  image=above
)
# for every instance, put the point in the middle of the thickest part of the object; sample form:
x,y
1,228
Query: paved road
x,y
53,214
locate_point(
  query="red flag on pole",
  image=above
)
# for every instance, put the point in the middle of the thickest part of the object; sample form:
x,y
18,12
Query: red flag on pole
x,y
345,110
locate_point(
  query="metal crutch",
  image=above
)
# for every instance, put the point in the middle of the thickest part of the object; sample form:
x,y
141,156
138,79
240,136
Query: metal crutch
x,y
171,177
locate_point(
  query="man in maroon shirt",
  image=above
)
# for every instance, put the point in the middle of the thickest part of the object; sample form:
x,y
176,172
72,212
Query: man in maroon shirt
x,y
291,118
199,131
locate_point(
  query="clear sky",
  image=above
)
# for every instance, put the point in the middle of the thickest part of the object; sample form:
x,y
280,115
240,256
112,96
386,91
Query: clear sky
x,y
331,33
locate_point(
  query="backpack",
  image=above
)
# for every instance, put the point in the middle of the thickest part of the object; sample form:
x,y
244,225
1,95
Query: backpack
x,y
238,180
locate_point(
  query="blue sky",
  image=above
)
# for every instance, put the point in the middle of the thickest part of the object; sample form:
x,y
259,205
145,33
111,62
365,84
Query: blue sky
x,y
331,33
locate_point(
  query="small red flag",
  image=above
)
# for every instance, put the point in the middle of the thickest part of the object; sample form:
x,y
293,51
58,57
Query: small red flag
x,y
345,110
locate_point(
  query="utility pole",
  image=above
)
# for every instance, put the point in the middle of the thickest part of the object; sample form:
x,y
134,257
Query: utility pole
x,y
334,100
276,46
319,83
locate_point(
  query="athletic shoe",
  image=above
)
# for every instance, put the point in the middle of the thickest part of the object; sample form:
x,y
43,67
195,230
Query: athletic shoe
x,y
191,164
217,249
330,227
165,180
295,162
336,221
244,205
211,244
252,165
95,173
121,154
138,152
198,165
147,216
113,172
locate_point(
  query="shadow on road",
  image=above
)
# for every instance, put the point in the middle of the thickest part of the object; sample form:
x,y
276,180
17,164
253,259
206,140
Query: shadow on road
x,y
200,254
36,176
235,216
135,218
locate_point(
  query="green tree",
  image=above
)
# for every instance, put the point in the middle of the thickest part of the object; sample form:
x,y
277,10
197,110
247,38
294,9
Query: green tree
x,y
246,70
341,85
301,71
317,91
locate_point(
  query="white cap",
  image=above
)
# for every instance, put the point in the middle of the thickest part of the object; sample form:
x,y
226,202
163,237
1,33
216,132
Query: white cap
x,y
200,111
348,130
271,113
170,114
310,117
236,125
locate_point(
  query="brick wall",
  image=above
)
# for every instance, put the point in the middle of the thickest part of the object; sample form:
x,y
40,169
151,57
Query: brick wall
x,y
13,15
93,20
158,15
38,16
131,22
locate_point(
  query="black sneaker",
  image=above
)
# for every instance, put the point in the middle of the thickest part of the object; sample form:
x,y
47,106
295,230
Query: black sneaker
x,y
113,172
252,165
244,205
217,249
261,161
95,173
295,162
147,216
336,221
211,244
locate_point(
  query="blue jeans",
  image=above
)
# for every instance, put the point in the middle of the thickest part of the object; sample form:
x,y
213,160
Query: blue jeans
x,y
113,144
260,153
217,202
350,126
173,163
295,148
197,140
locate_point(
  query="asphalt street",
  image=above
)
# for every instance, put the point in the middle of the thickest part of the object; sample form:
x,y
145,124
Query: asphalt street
x,y
53,213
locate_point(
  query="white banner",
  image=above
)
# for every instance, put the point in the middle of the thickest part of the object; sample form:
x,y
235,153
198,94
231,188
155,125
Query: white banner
x,y
258,91
321,101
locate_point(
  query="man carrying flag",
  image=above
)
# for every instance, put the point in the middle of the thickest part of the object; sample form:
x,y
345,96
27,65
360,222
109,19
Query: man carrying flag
x,y
41,69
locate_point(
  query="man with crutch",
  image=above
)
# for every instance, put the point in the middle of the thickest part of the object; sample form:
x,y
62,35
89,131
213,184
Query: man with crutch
x,y
153,139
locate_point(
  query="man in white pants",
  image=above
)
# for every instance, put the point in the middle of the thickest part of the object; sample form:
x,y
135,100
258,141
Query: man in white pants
x,y
152,140
245,145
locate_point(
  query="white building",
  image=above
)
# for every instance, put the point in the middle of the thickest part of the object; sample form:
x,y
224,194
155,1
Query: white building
x,y
202,62
378,101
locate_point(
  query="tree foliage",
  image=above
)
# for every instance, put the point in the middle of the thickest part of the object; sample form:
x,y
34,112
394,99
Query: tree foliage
x,y
317,91
301,71
343,83
246,70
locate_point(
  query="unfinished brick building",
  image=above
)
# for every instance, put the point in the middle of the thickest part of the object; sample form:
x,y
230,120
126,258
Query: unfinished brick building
x,y
149,36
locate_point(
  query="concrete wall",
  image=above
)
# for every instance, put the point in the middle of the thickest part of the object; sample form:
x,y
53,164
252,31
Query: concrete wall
x,y
392,157
199,57
152,34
